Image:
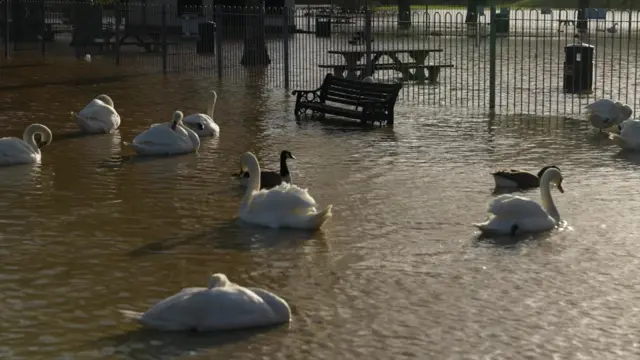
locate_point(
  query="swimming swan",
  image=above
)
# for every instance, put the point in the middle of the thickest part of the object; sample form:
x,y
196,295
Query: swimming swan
x,y
605,113
222,305
284,206
167,139
512,178
629,138
509,214
269,179
14,151
203,124
98,117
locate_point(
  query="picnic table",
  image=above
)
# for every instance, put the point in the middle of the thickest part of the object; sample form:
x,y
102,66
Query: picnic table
x,y
417,63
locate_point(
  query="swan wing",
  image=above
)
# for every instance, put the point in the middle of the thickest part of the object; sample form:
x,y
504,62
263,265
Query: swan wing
x,y
602,106
511,206
210,128
98,117
222,308
163,135
15,151
282,199
630,133
176,312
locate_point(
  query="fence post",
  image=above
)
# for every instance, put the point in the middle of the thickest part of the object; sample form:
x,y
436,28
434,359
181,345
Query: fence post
x,y
218,39
367,39
116,40
163,34
285,32
492,59
5,21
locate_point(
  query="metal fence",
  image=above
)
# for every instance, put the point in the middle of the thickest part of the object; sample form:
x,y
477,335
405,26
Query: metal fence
x,y
510,62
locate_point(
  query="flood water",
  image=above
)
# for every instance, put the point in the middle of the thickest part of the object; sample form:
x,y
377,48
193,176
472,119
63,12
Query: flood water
x,y
398,272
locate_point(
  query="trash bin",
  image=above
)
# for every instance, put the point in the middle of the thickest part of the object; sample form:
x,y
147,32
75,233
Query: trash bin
x,y
502,21
206,38
323,26
578,68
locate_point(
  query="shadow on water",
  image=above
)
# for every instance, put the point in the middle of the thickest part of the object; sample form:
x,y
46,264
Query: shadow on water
x,y
628,156
18,175
235,235
149,344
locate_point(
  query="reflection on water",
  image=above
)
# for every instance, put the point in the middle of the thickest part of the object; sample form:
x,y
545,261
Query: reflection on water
x,y
398,272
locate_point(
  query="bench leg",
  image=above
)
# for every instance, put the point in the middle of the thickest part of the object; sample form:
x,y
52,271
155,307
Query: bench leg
x,y
434,72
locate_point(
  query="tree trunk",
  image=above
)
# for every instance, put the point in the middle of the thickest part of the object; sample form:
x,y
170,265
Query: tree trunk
x,y
255,47
404,14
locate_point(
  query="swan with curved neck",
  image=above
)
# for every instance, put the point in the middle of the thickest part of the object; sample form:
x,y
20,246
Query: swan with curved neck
x,y
167,138
98,117
222,305
203,124
511,214
269,179
284,206
14,151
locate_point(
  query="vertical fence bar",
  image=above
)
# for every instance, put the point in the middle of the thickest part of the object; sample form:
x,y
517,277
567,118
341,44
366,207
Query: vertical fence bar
x,y
163,34
43,29
285,32
5,21
218,39
116,40
367,39
492,59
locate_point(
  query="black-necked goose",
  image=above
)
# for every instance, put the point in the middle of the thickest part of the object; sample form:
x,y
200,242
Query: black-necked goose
x,y
512,178
270,179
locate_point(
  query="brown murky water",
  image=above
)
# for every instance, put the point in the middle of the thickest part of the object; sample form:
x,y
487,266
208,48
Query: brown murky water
x,y
397,273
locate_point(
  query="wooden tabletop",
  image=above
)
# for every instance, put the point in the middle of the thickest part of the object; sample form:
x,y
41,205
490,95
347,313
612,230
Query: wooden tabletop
x,y
378,50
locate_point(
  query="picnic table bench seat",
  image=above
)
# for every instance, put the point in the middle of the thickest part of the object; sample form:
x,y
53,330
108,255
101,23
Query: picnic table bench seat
x,y
355,99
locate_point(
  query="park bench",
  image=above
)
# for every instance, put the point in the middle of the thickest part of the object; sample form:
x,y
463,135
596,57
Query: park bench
x,y
354,99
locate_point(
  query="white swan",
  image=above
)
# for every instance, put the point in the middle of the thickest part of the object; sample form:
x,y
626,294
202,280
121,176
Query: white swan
x,y
629,138
605,113
222,305
368,79
98,117
203,124
510,214
284,206
14,151
167,139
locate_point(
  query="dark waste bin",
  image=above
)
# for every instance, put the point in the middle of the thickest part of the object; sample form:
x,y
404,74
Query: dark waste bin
x,y
502,21
578,68
206,38
323,25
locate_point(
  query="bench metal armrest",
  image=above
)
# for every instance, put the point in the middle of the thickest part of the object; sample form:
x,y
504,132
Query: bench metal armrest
x,y
307,95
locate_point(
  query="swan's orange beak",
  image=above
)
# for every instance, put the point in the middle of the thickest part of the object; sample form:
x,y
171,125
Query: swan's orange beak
x,y
560,187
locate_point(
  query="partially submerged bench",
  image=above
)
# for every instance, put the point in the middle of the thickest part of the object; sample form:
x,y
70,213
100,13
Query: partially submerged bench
x,y
354,99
